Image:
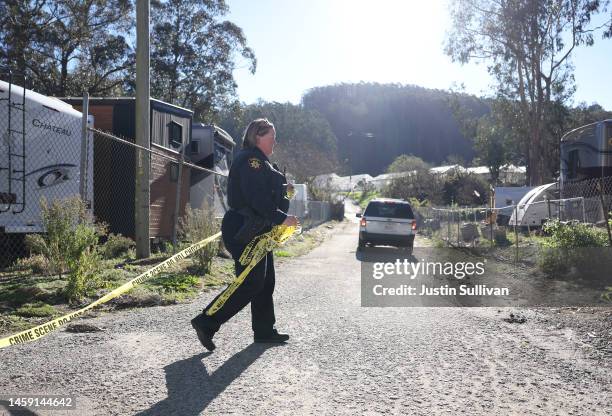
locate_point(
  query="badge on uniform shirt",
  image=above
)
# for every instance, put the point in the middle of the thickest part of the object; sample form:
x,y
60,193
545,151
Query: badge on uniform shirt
x,y
254,163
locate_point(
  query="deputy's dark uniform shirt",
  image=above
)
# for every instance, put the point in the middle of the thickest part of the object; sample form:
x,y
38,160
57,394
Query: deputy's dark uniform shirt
x,y
256,183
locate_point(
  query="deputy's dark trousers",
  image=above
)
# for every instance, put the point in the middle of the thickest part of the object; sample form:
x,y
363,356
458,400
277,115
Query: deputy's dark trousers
x,y
257,288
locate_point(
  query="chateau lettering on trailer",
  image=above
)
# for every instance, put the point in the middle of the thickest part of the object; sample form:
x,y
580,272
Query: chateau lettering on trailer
x,y
47,126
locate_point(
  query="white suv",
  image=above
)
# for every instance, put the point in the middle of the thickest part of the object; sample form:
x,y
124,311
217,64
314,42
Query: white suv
x,y
387,222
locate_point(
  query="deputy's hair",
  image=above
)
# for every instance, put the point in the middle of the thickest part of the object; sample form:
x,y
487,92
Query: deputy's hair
x,y
257,127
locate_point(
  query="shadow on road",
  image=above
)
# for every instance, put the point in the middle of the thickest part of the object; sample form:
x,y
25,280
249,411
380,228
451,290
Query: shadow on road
x,y
5,405
191,388
383,254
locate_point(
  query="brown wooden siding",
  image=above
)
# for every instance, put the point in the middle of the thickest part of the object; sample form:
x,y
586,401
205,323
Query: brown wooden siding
x,y
103,116
163,194
114,174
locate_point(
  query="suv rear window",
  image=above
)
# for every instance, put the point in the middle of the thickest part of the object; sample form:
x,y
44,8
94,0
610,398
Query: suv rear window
x,y
389,210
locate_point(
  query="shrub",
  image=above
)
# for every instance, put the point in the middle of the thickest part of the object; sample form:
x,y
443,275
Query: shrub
x,y
70,230
459,189
37,263
84,275
116,246
70,242
573,235
421,185
196,225
565,244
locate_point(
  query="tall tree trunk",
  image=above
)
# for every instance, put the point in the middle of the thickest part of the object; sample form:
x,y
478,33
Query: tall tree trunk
x,y
64,75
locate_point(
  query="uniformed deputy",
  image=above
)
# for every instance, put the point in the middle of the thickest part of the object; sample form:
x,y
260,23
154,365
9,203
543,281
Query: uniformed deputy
x,y
257,196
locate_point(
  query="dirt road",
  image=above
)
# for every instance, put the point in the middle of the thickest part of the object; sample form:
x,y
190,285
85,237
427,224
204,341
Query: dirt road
x,y
342,358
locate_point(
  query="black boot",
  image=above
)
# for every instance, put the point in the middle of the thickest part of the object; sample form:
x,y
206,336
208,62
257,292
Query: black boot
x,y
271,337
205,334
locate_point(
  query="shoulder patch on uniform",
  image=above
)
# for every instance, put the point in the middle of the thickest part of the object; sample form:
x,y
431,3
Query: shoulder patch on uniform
x,y
254,163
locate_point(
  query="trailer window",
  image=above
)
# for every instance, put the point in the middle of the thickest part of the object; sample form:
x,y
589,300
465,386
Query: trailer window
x,y
175,134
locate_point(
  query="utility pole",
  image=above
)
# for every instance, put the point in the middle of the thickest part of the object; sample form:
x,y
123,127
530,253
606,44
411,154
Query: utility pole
x,y
143,127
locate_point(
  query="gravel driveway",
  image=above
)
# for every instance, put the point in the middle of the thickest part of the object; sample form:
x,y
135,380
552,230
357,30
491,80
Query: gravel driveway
x,y
342,358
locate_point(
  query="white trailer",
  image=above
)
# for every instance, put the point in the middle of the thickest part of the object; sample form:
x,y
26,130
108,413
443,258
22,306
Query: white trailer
x,y
40,156
533,210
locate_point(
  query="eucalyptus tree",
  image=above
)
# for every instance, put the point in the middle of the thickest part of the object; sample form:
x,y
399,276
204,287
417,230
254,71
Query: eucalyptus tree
x,y
67,46
22,23
528,46
88,44
194,54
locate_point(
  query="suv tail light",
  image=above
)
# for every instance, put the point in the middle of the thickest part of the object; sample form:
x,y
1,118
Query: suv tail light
x,y
414,225
362,222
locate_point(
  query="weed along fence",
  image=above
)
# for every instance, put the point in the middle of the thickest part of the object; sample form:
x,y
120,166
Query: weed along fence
x,y
484,226
51,151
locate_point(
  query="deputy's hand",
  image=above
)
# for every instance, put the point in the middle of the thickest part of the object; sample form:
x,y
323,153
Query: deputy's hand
x,y
291,221
290,188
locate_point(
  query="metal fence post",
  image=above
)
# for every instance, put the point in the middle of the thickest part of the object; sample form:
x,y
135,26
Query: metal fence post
x,y
177,201
516,233
458,227
491,225
84,148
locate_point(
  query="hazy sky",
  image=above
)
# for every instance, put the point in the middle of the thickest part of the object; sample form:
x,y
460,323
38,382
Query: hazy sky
x,y
302,44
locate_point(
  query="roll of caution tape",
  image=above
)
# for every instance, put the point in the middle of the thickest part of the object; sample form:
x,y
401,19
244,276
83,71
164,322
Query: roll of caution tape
x,y
44,329
290,193
252,254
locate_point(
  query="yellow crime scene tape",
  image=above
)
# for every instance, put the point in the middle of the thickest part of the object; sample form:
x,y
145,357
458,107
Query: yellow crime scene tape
x,y
44,329
252,254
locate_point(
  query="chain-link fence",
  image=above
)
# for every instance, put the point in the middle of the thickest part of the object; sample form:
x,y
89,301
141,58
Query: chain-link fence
x,y
471,226
597,194
50,152
312,213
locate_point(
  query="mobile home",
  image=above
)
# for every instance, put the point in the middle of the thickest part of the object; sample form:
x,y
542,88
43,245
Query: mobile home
x,y
586,153
114,165
40,156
